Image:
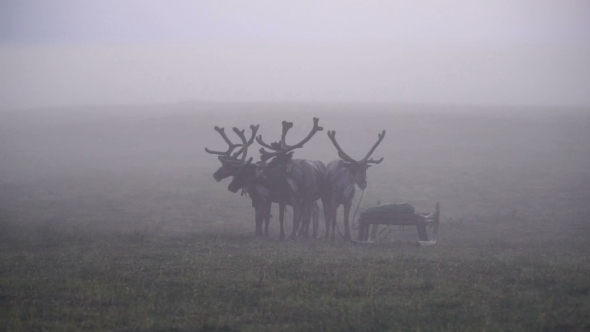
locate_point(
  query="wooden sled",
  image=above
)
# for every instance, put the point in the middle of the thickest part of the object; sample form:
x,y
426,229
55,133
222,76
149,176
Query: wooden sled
x,y
422,221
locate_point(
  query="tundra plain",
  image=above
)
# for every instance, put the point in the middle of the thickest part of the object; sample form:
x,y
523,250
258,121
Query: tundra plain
x,y
110,220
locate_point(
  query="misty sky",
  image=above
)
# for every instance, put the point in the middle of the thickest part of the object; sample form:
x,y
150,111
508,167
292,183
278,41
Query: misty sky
x,y
56,53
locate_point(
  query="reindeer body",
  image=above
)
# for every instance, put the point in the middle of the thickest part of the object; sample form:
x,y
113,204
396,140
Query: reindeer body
x,y
263,192
302,178
340,182
304,181
231,165
341,177
340,190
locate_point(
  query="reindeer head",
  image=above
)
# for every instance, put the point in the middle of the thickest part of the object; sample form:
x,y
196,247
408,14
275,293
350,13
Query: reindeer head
x,y
246,175
358,169
231,162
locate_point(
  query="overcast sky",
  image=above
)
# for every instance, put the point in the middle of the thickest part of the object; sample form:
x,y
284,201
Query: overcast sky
x,y
56,53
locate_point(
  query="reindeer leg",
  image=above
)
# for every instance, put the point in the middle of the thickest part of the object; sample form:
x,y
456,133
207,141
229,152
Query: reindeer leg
x,y
334,217
259,215
315,215
303,221
267,218
301,231
306,219
296,217
347,206
327,209
282,219
308,216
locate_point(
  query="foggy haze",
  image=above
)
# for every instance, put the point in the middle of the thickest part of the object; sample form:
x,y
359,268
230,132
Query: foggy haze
x,y
430,52
111,219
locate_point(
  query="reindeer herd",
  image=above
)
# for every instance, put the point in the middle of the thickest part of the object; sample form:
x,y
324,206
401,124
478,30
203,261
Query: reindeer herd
x,y
300,183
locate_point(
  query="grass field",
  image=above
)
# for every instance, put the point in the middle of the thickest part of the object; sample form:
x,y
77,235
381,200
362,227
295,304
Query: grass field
x,y
110,220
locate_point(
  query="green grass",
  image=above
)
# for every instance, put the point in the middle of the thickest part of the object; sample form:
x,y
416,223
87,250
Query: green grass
x,y
220,281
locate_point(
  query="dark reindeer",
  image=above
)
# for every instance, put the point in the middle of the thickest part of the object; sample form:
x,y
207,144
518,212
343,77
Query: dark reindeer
x,y
300,181
341,176
251,177
229,162
246,177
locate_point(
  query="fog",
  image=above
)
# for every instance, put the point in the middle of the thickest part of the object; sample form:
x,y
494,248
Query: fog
x,y
110,215
131,52
110,218
121,167
95,97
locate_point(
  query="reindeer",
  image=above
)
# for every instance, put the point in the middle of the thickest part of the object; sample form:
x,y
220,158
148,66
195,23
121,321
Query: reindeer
x,y
246,177
341,176
263,193
229,162
230,166
301,180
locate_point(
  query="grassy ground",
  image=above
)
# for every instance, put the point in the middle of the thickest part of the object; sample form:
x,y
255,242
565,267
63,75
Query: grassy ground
x,y
142,246
229,282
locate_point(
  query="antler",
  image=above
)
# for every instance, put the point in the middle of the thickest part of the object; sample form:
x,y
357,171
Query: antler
x,y
281,147
373,149
373,161
240,134
261,142
341,153
231,147
314,130
250,141
345,157
265,155
286,127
